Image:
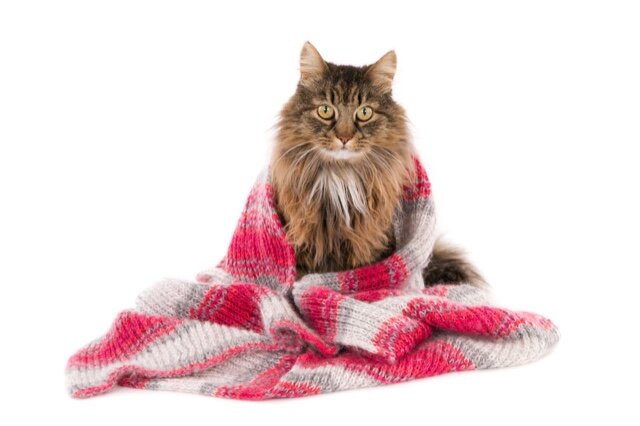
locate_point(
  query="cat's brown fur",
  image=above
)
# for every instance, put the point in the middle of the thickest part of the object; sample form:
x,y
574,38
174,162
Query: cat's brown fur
x,y
325,238
338,211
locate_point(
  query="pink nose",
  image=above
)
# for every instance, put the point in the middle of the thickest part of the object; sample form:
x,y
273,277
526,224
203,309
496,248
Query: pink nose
x,y
344,139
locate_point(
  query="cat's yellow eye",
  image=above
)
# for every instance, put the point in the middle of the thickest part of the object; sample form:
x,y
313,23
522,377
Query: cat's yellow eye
x,y
364,113
325,111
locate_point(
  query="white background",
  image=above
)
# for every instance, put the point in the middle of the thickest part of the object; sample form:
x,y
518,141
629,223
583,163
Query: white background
x,y
131,132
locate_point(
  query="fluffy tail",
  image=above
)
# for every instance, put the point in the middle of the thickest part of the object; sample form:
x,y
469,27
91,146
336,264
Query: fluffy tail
x,y
449,264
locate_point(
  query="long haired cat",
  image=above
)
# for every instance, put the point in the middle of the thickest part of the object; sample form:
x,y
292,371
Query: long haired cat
x,y
341,157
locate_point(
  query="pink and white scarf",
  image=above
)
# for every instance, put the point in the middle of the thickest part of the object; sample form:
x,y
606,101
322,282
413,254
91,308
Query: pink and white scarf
x,y
247,329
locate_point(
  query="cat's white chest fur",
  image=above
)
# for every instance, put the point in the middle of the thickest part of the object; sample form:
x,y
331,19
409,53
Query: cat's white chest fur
x,y
340,190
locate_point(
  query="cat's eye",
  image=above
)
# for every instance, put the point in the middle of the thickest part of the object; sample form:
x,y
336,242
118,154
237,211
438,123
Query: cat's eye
x,y
364,113
325,111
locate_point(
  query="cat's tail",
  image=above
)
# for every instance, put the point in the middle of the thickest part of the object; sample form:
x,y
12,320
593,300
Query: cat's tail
x,y
449,264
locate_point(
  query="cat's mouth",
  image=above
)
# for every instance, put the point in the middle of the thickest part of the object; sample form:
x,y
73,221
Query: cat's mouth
x,y
341,154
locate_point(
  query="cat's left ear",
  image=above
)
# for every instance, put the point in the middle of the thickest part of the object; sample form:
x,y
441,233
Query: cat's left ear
x,y
381,73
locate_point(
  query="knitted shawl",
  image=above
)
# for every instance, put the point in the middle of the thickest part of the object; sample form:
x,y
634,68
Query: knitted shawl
x,y
247,329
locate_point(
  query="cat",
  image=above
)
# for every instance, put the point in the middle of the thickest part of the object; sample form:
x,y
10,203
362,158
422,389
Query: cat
x,y
341,157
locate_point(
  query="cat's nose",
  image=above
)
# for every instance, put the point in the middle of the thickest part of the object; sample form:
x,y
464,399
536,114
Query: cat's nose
x,y
344,139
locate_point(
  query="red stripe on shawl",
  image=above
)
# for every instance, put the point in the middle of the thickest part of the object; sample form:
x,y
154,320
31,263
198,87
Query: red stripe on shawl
x,y
429,359
387,274
236,305
130,333
420,187
398,336
259,246
471,320
319,306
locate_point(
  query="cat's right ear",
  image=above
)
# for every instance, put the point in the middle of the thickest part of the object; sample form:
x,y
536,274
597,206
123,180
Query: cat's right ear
x,y
312,66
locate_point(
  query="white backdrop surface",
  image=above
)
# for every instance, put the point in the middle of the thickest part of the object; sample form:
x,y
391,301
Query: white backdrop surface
x,y
131,132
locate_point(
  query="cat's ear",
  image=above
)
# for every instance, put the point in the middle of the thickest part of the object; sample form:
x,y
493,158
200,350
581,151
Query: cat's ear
x,y
381,73
312,66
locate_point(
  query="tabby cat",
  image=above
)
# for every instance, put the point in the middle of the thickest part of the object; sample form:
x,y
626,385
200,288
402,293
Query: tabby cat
x,y
341,157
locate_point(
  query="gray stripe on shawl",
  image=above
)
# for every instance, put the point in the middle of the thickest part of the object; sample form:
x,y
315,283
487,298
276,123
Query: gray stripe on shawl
x,y
528,344
330,378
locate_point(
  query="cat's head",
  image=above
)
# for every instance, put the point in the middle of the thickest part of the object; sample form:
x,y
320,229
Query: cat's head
x,y
342,114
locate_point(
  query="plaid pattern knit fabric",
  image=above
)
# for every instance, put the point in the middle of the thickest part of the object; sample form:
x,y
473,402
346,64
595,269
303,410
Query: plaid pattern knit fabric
x,y
247,329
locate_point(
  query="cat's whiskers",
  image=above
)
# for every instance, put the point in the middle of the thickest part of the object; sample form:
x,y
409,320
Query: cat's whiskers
x,y
297,146
304,155
383,154
295,174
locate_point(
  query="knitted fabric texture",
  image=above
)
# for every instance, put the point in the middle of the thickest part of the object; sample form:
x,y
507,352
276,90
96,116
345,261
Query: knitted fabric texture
x,y
247,329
